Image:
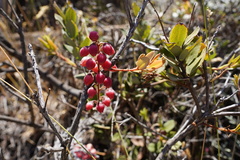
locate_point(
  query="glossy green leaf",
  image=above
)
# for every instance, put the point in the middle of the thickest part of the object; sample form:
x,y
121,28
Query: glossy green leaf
x,y
194,52
70,15
178,34
71,29
174,48
192,68
169,125
85,42
168,56
191,36
135,8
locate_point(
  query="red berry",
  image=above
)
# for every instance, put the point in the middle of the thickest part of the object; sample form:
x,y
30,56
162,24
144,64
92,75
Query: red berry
x,y
90,64
107,82
107,65
91,92
100,78
89,105
106,101
101,58
88,79
93,49
108,49
110,93
84,51
100,107
83,61
95,69
93,35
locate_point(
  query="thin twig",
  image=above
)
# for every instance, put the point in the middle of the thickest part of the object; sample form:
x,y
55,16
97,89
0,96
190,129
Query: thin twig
x,y
21,122
80,108
145,44
39,99
144,126
160,21
44,74
130,32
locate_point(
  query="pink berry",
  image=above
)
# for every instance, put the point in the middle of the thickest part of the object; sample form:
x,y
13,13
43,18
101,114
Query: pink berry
x,y
100,107
108,49
110,93
90,64
83,61
91,92
93,49
100,78
89,146
89,105
101,58
88,79
107,65
93,35
84,51
107,82
106,101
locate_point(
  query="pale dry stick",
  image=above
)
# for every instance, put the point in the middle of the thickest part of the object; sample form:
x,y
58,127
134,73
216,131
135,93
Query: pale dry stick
x,y
19,29
133,26
16,69
145,44
44,74
40,100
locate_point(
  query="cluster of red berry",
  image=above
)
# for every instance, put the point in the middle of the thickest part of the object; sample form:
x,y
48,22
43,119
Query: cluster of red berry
x,y
96,61
80,153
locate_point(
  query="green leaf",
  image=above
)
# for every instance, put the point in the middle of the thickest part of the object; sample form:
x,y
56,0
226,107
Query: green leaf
x,y
68,40
135,8
144,113
69,48
168,55
151,147
194,52
169,125
85,42
178,34
191,36
175,49
76,53
59,19
58,10
71,29
173,77
70,15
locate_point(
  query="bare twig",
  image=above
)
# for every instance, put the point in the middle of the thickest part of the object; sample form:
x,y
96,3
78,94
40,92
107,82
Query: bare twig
x,y
44,74
145,44
160,21
80,108
144,126
39,99
19,29
21,122
130,31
